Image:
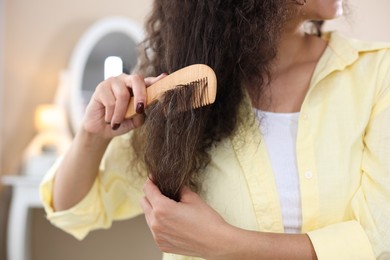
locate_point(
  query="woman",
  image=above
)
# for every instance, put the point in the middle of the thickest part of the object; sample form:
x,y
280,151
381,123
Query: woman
x,y
309,179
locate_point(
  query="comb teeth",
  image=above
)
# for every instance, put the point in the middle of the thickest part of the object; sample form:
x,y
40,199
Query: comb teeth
x,y
191,95
200,94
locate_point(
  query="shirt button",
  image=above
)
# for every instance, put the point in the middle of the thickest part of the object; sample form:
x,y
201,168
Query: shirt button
x,y
308,175
305,116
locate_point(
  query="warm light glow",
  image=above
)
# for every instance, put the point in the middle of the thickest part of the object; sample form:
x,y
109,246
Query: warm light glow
x,y
48,118
113,66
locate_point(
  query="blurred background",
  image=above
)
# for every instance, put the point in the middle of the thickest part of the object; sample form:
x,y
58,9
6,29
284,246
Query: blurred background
x,y
37,44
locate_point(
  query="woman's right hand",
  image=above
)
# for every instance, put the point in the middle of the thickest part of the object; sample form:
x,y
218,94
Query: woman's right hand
x,y
105,113
104,119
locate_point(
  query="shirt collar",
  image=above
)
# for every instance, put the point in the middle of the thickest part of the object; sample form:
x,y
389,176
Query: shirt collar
x,y
340,53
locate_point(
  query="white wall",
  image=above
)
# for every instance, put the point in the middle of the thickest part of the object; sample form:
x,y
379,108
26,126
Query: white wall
x,y
367,20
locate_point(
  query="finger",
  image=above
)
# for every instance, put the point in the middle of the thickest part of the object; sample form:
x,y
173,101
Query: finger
x,y
146,206
152,193
187,195
107,98
122,98
147,209
132,123
138,87
151,80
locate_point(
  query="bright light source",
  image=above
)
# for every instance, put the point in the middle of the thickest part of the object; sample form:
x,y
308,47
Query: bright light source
x,y
48,117
113,66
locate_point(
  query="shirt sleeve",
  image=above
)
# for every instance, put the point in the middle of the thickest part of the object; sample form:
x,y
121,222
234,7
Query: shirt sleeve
x,y
368,235
115,194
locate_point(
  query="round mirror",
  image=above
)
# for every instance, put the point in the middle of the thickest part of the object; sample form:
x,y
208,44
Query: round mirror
x,y
114,36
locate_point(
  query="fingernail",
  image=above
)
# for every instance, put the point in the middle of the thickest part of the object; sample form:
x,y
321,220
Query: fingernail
x,y
140,109
116,126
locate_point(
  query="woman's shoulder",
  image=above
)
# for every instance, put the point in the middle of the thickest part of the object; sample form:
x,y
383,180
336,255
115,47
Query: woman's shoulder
x,y
339,41
370,57
349,53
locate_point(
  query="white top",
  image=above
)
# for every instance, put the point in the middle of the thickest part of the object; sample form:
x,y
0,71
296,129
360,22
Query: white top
x,y
280,133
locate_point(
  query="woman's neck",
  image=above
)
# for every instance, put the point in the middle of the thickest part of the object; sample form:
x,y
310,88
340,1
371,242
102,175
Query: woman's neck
x,y
297,56
297,47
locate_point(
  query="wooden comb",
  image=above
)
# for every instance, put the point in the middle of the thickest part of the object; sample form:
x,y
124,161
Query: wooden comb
x,y
199,76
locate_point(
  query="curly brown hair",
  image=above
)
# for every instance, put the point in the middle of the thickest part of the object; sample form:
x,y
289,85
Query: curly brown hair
x,y
238,39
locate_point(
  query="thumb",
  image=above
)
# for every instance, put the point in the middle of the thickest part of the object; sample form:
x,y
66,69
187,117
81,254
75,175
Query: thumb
x,y
187,195
151,80
132,123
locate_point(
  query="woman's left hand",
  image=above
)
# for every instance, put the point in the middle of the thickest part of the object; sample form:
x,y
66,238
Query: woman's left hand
x,y
189,227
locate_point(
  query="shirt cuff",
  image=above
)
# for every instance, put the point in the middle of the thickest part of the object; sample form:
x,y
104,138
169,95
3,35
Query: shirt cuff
x,y
66,219
346,240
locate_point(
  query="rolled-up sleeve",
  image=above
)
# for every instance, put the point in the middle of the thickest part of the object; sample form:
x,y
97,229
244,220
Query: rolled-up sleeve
x,y
372,204
367,236
346,240
115,195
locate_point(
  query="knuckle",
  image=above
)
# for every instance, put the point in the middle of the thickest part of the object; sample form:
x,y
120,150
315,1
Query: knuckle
x,y
136,77
110,104
159,213
123,94
106,83
156,227
111,79
100,86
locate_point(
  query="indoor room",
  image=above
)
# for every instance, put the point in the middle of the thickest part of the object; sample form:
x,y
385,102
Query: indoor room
x,y
53,55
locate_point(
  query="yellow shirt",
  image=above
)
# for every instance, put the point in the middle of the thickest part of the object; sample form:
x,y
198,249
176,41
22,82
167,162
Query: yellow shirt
x,y
343,159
